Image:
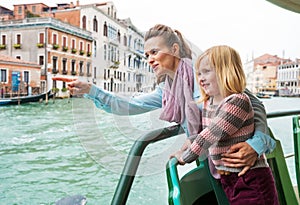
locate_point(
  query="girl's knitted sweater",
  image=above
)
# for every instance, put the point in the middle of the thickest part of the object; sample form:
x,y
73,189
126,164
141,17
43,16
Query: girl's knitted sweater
x,y
225,124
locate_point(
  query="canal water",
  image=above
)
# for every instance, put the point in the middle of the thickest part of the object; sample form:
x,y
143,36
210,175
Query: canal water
x,y
69,147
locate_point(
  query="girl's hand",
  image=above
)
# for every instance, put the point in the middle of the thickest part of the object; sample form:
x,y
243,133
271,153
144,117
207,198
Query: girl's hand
x,y
178,156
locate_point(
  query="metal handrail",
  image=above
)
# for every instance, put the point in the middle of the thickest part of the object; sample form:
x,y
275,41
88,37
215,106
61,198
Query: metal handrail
x,y
137,149
133,160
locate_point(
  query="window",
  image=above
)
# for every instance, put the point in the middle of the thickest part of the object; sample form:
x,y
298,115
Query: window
x,y
95,48
88,47
54,63
73,66
18,39
104,74
3,39
84,22
64,41
88,68
105,51
81,46
95,24
64,66
41,38
125,40
41,60
54,38
81,67
26,77
20,10
18,57
73,43
3,75
105,29
33,9
95,72
119,36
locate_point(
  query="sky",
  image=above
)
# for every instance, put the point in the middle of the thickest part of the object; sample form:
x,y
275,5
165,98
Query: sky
x,y
253,27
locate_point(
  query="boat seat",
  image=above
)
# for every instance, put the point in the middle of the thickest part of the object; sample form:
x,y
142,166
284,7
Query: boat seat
x,y
199,187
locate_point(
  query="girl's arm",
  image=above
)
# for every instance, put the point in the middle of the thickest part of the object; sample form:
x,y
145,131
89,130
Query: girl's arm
x,y
232,114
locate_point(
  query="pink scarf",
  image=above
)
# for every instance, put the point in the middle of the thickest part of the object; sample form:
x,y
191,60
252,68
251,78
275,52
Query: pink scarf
x,y
177,101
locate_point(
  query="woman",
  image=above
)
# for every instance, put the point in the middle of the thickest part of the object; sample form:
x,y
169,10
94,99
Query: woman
x,y
228,118
170,57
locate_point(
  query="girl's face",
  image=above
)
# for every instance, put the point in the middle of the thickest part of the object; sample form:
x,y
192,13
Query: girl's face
x,y
161,58
208,80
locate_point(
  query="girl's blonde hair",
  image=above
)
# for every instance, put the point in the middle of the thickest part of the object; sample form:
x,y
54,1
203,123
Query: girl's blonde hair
x,y
228,67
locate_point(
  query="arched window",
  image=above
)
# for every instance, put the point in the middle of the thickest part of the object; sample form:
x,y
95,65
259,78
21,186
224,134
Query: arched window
x,y
95,24
84,22
105,29
125,40
105,51
119,36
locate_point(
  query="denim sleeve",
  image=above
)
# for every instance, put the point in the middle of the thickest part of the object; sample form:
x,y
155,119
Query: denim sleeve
x,y
119,105
261,142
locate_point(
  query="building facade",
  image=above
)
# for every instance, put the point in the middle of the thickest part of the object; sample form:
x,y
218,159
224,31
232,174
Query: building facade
x,y
118,61
119,64
288,80
59,48
261,73
18,77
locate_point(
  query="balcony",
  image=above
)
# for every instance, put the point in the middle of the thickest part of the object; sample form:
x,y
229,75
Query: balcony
x,y
17,46
40,45
81,52
74,50
115,65
65,48
54,71
55,46
2,46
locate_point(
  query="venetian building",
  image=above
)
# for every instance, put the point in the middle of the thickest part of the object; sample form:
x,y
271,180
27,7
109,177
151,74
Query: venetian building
x,y
119,64
261,73
288,80
59,48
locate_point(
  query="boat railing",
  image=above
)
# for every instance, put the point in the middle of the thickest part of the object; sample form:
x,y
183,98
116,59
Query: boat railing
x,y
131,165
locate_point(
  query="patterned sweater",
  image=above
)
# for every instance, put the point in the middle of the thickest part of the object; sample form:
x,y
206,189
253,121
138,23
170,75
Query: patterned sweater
x,y
230,122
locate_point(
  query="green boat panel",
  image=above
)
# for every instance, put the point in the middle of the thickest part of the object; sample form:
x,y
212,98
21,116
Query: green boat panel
x,y
214,191
276,160
296,132
198,182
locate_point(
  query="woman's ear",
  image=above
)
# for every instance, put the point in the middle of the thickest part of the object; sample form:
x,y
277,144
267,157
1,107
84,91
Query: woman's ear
x,y
176,50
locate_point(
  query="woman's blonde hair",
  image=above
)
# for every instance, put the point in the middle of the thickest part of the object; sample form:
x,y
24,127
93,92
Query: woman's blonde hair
x,y
228,67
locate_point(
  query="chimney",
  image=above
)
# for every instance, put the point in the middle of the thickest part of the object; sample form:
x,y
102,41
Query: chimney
x,y
77,3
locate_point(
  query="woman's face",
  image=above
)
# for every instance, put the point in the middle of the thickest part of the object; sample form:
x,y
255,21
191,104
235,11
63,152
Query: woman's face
x,y
162,59
208,79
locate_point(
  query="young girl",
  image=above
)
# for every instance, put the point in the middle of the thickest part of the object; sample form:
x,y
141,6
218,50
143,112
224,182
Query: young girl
x,y
227,119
